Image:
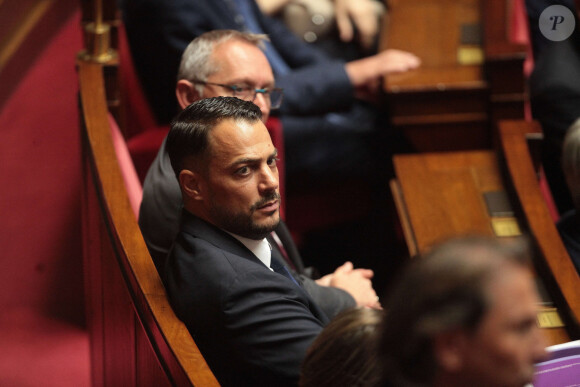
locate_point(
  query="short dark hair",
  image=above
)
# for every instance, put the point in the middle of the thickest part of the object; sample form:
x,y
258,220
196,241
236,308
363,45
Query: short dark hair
x,y
188,136
444,290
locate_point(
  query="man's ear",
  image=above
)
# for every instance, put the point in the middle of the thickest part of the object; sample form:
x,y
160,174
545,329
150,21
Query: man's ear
x,y
448,350
186,93
191,184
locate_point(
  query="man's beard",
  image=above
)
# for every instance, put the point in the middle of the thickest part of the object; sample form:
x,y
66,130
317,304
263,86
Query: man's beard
x,y
243,224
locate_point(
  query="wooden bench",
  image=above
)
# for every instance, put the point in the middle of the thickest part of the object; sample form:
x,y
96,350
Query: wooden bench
x,y
136,339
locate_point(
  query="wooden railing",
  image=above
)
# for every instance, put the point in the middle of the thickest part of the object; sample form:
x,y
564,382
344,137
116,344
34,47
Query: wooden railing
x,y
136,339
557,268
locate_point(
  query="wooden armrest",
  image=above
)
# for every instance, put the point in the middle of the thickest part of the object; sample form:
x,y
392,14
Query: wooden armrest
x,y
136,338
514,137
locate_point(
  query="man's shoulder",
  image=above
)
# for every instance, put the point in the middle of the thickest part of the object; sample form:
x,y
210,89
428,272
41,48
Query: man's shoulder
x,y
212,254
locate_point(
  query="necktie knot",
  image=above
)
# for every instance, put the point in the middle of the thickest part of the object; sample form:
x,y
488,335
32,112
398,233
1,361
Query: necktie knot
x,y
279,268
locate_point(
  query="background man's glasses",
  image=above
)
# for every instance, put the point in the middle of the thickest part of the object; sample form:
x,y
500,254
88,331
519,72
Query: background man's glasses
x,y
274,96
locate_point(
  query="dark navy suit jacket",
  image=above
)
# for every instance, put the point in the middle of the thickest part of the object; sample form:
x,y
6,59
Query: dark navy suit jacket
x,y
160,30
252,325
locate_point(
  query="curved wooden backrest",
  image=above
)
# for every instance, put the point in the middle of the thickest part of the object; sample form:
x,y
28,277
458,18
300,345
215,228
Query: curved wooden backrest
x,y
515,135
136,339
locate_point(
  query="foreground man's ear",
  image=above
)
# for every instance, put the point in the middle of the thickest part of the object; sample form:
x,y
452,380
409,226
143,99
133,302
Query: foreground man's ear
x,y
191,185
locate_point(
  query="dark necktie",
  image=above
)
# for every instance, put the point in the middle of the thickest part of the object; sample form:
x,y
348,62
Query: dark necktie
x,y
273,237
279,268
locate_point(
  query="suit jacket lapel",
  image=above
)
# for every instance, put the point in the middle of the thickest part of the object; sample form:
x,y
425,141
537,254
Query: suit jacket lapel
x,y
197,227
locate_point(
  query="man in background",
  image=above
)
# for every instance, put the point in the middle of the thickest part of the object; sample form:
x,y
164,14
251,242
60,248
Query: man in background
x,y
330,122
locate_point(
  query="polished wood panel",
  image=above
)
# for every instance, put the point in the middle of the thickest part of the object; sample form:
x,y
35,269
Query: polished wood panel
x,y
471,74
131,323
443,193
440,195
431,29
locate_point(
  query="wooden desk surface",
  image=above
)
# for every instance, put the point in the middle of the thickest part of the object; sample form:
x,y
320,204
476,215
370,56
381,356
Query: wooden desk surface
x,y
443,193
440,195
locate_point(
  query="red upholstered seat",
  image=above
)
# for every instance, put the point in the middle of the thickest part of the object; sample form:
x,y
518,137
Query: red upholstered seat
x,y
132,183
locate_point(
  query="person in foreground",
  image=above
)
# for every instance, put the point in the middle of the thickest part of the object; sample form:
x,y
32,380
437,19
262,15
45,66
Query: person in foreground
x,y
463,315
345,352
229,57
251,319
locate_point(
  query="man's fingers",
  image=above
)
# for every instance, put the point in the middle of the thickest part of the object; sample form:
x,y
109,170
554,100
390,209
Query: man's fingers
x,y
346,267
366,273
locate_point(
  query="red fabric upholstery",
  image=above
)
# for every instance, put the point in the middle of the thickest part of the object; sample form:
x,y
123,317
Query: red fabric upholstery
x,y
43,337
132,183
143,148
519,32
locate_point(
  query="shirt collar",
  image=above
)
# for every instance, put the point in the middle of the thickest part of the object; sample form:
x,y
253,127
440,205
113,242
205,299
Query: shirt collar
x,y
261,248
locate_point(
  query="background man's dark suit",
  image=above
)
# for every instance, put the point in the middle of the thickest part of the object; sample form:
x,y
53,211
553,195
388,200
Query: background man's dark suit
x,y
252,325
159,31
317,144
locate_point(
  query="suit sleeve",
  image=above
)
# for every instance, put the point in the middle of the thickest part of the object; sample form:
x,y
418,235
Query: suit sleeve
x,y
316,84
331,300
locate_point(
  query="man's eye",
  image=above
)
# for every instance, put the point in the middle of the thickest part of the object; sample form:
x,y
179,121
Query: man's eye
x,y
243,171
239,89
273,161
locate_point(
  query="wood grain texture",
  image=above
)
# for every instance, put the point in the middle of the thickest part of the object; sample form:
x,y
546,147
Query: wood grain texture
x,y
126,297
440,195
523,177
447,93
